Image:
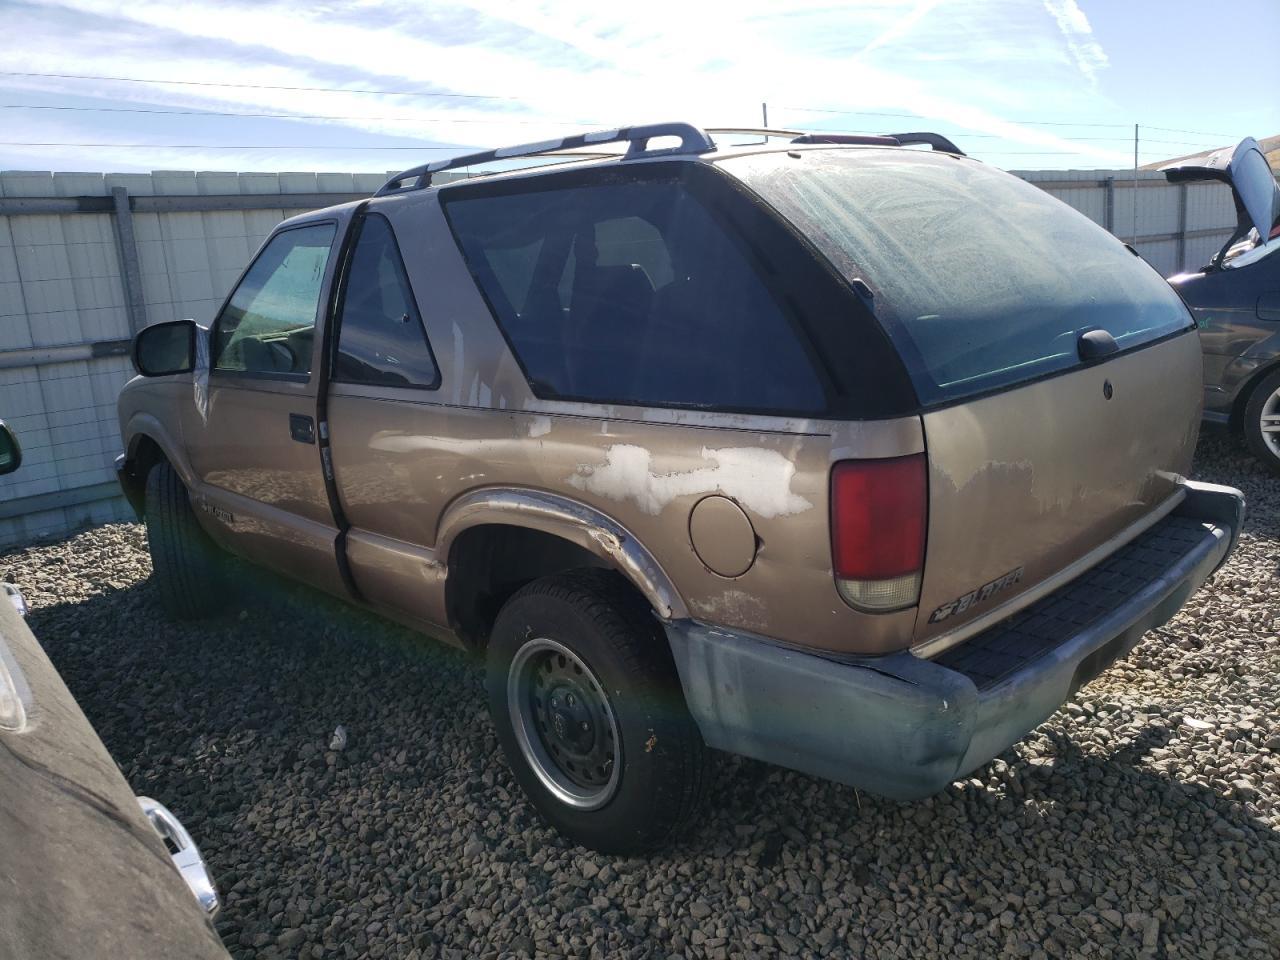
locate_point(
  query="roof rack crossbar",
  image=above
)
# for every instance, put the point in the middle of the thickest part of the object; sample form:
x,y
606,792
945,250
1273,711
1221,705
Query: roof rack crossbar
x,y
935,140
866,139
758,131
692,140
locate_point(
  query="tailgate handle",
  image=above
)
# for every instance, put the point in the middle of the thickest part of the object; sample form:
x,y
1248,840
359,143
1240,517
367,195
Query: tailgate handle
x,y
302,428
1094,345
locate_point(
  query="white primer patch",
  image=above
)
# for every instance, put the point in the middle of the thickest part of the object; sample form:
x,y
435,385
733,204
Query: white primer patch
x,y
733,607
757,478
539,426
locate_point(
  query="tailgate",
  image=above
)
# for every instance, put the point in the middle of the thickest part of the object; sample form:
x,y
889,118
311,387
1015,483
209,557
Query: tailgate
x,y
1026,483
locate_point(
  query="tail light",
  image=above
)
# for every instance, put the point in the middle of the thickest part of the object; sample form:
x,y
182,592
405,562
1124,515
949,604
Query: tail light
x,y
879,514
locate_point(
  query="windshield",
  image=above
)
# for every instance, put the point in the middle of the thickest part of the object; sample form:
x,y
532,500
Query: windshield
x,y
981,279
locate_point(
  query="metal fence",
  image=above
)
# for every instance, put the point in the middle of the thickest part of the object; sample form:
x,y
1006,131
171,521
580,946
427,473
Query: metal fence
x,y
86,260
1174,227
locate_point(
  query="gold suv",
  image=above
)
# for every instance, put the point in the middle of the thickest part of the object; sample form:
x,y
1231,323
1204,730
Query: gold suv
x,y
844,455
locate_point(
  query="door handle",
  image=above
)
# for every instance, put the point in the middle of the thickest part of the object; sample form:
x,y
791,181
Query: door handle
x,y
302,428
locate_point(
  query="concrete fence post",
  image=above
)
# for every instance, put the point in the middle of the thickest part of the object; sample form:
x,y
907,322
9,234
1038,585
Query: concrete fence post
x,y
130,271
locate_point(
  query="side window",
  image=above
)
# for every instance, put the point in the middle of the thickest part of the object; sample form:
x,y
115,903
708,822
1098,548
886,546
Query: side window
x,y
380,335
633,292
624,242
269,323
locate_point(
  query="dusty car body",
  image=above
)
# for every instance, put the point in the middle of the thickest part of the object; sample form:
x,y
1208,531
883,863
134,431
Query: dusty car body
x,y
86,868
1236,299
839,535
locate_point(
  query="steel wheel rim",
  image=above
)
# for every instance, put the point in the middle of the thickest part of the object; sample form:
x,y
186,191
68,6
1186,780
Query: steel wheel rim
x,y
1269,423
572,745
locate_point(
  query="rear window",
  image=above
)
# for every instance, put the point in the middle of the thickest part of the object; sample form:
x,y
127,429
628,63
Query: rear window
x,y
631,291
981,279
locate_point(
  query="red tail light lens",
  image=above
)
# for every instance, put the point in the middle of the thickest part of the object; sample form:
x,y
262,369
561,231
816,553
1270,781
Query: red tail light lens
x,y
879,514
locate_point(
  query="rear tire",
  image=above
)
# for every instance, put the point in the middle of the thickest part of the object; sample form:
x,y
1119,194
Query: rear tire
x,y
1262,421
186,565
617,764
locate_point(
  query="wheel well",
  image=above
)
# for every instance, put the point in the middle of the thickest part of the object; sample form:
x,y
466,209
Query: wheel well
x,y
1245,392
489,563
146,453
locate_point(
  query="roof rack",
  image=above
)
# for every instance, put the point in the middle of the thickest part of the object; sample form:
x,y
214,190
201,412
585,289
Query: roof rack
x,y
867,139
935,140
692,140
759,132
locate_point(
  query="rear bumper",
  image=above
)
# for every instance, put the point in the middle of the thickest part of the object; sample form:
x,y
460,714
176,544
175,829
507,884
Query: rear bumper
x,y
905,727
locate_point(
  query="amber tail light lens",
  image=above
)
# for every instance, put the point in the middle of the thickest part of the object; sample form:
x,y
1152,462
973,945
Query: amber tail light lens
x,y
879,515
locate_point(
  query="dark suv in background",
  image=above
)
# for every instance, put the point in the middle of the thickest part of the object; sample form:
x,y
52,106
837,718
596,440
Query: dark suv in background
x,y
1236,300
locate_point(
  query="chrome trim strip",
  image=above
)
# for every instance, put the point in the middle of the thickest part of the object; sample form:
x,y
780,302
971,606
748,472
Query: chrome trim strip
x,y
186,856
16,598
945,641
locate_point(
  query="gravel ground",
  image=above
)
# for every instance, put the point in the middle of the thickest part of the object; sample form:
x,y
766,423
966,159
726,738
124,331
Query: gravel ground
x,y
1143,820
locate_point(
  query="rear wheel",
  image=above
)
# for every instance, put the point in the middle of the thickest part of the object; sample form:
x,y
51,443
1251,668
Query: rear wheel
x,y
185,564
1262,421
590,714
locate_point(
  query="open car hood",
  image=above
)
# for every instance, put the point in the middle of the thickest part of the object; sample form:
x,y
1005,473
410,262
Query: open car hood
x,y
1253,185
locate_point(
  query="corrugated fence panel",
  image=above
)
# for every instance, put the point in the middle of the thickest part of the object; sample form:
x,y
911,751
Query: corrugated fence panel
x,y
61,286
1161,254
1209,205
15,332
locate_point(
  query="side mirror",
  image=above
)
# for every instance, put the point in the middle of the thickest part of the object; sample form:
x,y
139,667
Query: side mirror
x,y
165,348
10,451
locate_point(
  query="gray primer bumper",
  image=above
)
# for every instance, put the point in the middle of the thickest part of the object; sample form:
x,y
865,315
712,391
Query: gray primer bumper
x,y
904,727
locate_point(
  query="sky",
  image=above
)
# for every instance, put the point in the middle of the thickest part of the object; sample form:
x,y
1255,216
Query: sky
x,y
380,85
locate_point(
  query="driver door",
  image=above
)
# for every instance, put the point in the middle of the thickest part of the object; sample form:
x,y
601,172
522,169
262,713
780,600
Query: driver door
x,y
251,438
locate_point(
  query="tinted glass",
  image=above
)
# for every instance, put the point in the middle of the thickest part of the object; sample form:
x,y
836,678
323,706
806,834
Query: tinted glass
x,y
632,292
981,279
380,335
268,325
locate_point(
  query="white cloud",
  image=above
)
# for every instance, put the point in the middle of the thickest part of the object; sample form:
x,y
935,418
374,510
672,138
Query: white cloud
x,y
903,26
567,63
1086,52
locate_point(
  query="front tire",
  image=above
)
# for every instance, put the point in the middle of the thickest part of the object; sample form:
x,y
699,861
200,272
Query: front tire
x,y
590,714
1262,421
185,563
